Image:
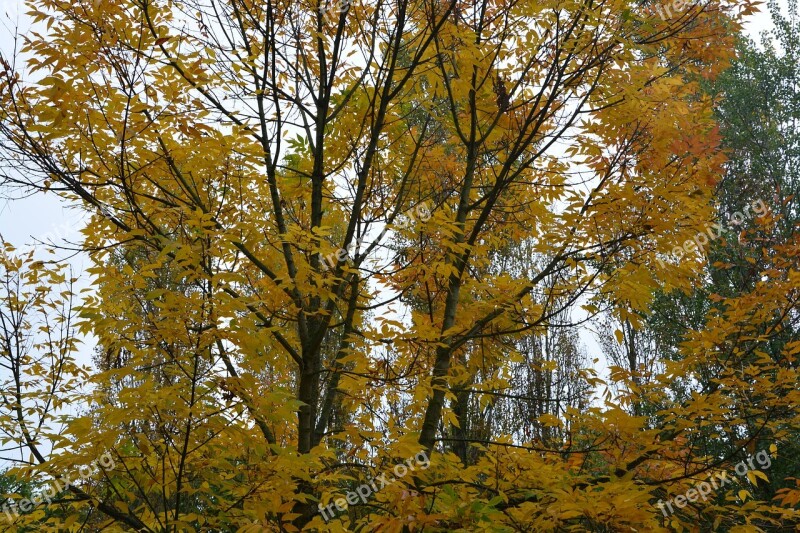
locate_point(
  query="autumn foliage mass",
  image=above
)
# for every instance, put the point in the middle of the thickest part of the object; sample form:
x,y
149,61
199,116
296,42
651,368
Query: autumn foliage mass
x,y
326,240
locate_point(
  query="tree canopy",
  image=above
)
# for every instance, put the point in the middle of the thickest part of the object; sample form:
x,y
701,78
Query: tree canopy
x,y
330,240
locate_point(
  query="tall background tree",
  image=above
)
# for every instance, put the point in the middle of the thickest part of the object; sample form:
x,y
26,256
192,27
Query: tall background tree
x,y
758,108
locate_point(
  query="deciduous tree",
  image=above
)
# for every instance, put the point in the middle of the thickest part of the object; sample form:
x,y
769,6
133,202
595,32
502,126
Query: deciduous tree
x,y
297,214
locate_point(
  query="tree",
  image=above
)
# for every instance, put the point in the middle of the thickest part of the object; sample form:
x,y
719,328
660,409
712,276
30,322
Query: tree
x,y
297,215
756,109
